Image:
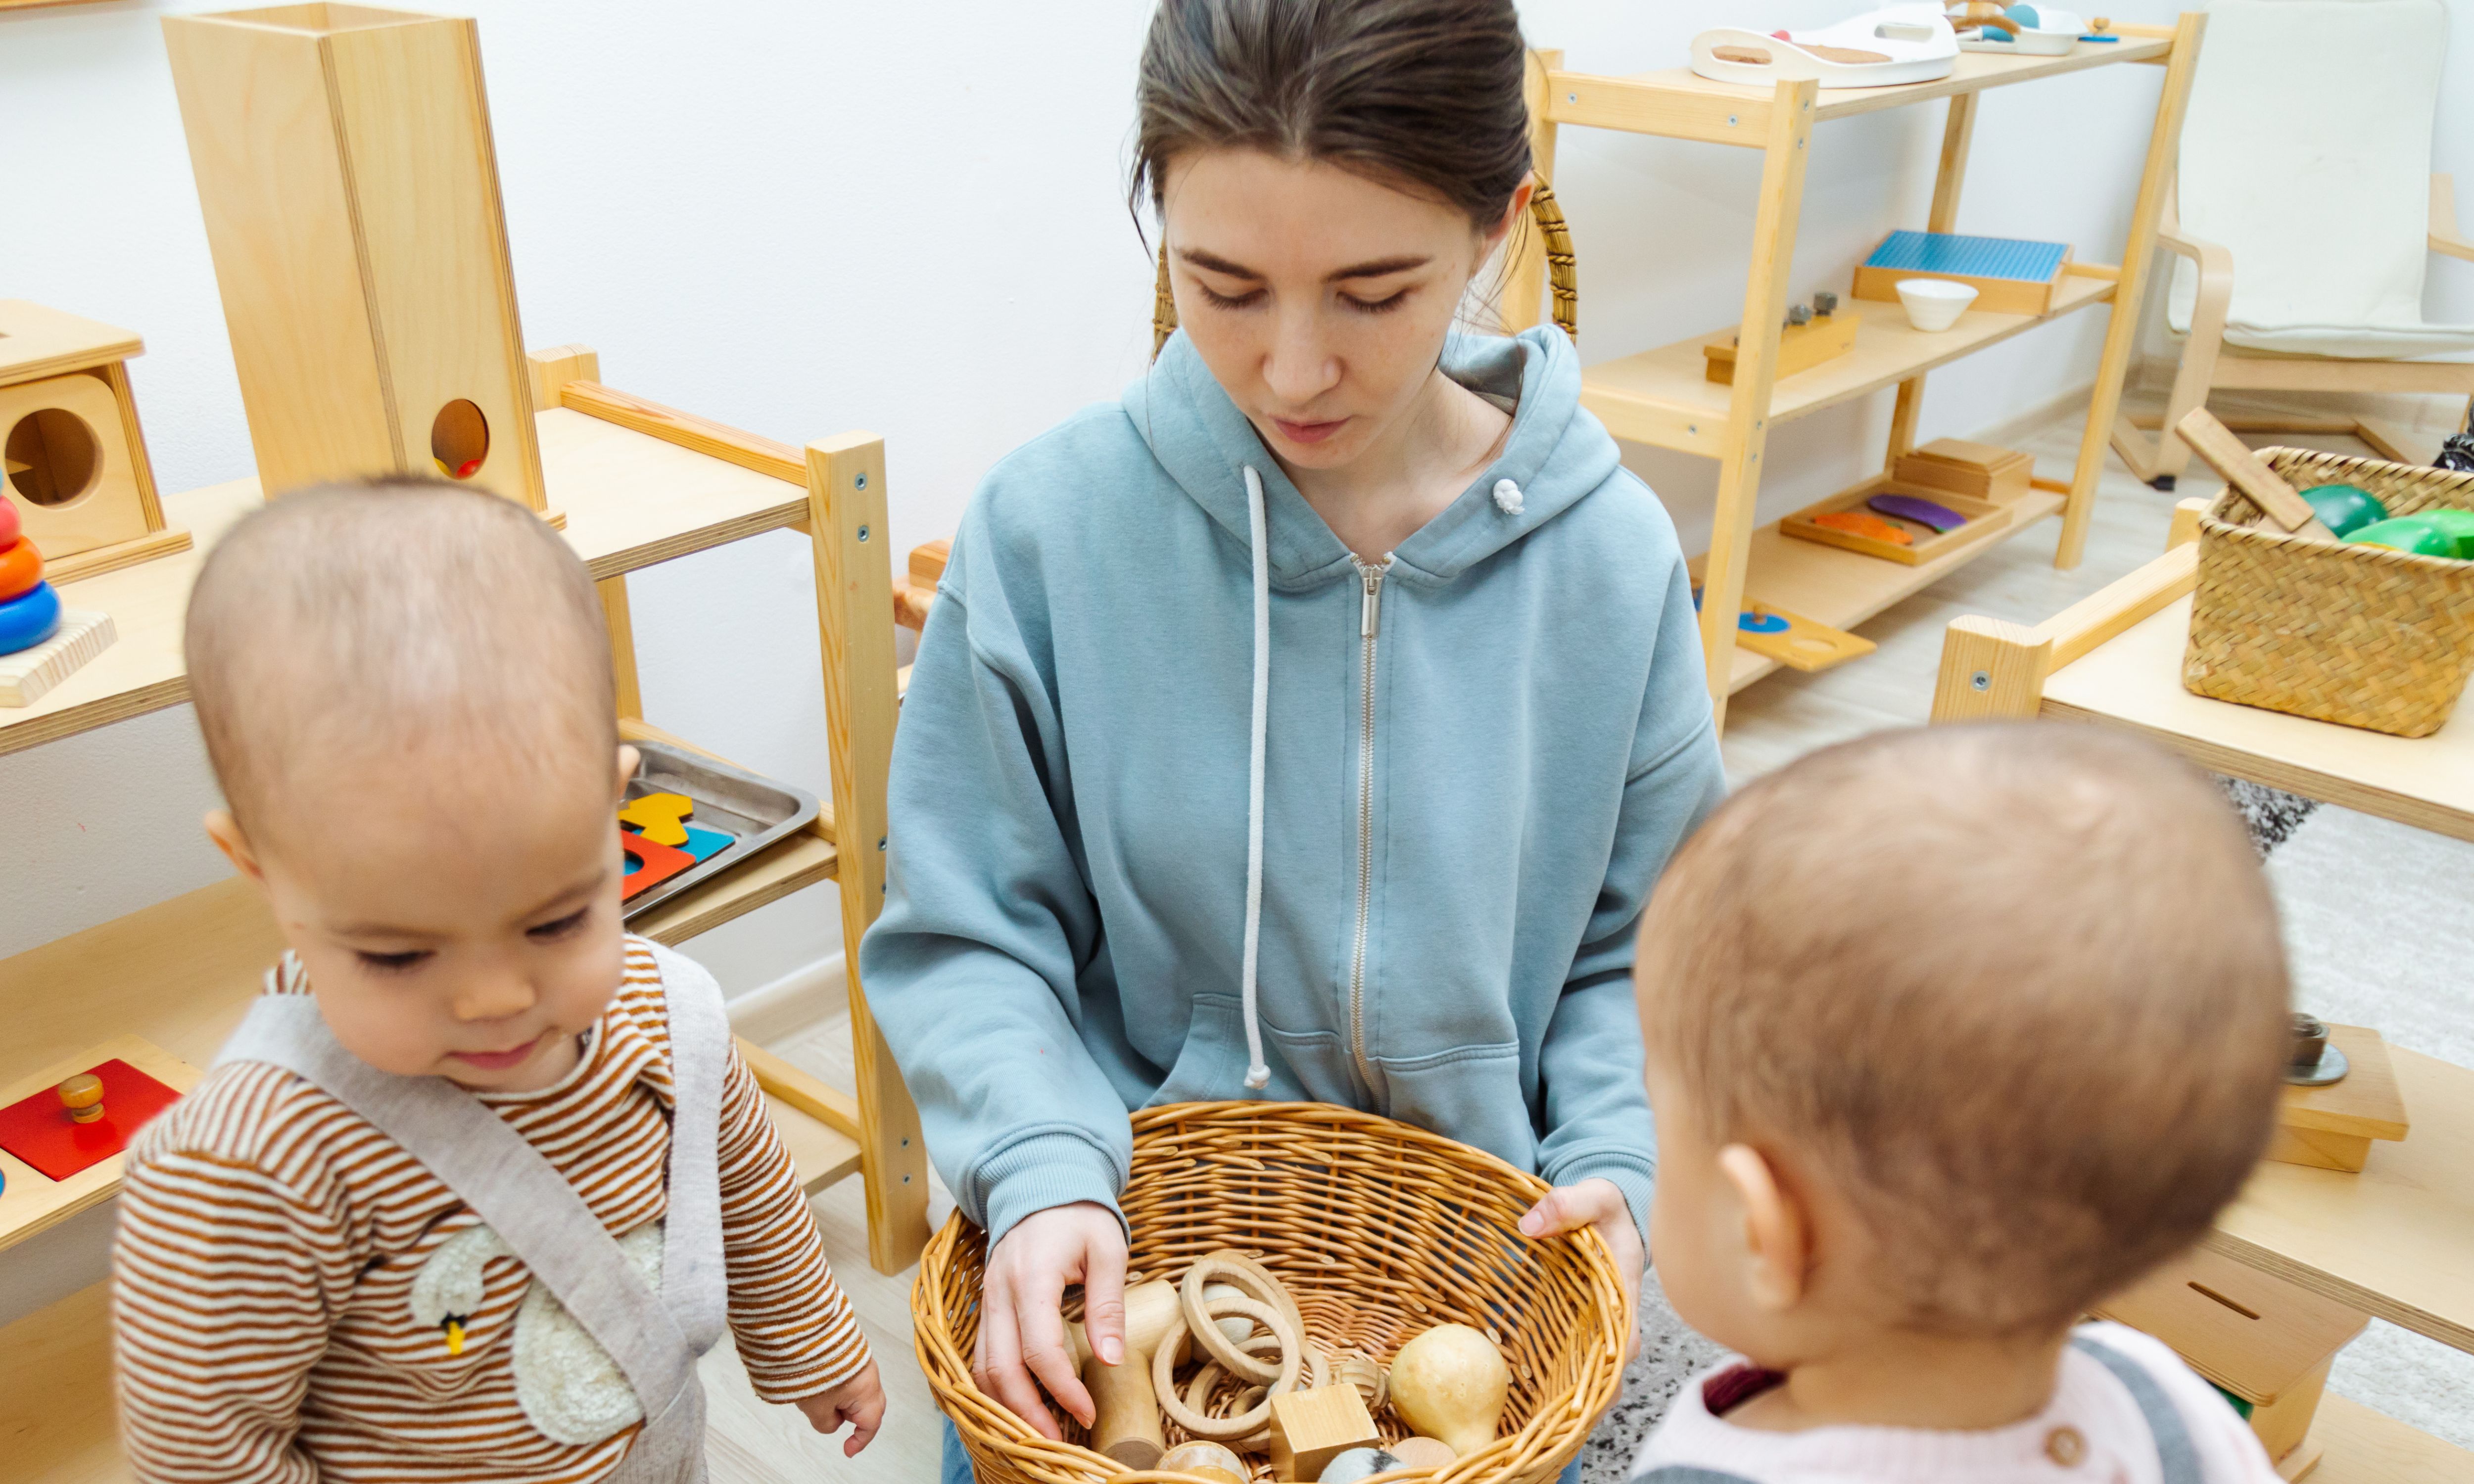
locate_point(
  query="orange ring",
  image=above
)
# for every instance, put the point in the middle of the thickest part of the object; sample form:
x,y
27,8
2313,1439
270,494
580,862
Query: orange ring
x,y
21,568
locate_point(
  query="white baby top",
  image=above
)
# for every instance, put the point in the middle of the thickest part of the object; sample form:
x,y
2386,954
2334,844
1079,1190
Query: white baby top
x,y
2125,1410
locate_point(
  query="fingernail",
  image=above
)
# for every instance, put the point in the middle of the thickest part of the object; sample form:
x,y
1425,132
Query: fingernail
x,y
1530,1223
1111,1349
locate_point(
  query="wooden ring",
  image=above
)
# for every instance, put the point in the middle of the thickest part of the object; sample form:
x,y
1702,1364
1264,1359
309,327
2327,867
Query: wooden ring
x,y
1224,1429
1247,1276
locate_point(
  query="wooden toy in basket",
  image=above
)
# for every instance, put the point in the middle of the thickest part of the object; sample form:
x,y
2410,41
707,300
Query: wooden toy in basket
x,y
2337,632
1363,1234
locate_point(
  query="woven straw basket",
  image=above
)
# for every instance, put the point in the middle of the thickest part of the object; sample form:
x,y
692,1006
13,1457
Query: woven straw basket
x,y
2357,635
1379,1230
1563,272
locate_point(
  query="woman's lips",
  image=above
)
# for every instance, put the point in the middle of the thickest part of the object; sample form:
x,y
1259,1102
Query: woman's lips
x,y
1307,432
498,1061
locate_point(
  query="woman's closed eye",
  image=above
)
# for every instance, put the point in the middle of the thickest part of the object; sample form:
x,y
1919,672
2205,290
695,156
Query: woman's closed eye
x,y
1383,305
1247,299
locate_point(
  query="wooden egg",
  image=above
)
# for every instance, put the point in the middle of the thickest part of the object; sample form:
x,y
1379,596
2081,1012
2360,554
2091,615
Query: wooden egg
x,y
1205,1461
1449,1383
1422,1452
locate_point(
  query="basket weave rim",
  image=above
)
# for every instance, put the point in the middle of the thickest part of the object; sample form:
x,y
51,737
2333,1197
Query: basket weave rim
x,y
2213,521
997,1426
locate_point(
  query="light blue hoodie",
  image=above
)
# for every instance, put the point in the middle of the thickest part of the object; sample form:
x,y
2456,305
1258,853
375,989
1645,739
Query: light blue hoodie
x,y
1472,763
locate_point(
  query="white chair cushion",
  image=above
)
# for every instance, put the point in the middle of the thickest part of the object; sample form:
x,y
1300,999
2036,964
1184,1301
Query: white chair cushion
x,y
2307,153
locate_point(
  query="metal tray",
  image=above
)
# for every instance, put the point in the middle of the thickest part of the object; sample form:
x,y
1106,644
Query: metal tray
x,y
759,810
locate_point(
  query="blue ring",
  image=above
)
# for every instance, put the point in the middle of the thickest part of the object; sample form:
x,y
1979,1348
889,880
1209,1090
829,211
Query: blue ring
x,y
29,618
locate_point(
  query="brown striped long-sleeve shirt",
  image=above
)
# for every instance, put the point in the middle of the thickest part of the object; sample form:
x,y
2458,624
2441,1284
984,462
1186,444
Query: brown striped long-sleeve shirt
x,y
270,1239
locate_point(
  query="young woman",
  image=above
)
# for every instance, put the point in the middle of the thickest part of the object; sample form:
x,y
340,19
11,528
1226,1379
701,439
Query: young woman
x,y
1312,723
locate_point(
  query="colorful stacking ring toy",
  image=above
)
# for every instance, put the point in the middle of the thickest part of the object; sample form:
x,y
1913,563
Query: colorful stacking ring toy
x,y
29,618
21,568
7,521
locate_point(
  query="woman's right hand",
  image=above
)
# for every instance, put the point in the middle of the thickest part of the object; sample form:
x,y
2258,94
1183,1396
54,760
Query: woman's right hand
x,y
1022,1344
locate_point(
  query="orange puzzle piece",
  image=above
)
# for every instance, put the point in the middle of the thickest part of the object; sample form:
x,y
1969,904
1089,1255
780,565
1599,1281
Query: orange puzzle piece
x,y
650,863
47,1135
660,817
1854,522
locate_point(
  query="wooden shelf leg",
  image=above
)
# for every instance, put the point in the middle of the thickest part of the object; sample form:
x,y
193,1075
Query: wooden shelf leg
x,y
1740,467
623,645
854,624
1958,136
1524,268
2122,328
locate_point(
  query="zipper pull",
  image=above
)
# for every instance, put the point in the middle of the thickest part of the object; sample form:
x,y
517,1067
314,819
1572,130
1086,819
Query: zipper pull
x,y
1370,613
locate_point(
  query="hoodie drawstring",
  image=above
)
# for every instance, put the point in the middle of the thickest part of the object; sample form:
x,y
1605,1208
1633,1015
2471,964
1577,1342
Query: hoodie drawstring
x,y
1258,1075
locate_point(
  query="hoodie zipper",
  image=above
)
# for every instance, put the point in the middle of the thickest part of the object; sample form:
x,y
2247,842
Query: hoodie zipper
x,y
1370,624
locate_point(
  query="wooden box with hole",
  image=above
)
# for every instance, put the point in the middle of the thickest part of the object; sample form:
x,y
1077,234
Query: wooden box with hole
x,y
77,469
1867,519
2260,1340
359,244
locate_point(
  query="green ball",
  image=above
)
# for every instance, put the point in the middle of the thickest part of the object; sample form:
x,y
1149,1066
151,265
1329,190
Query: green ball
x,y
2407,533
2456,524
2344,508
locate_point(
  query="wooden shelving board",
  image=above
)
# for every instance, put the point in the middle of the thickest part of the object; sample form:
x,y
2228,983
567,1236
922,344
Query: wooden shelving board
x,y
1842,588
2363,1446
1662,398
2135,679
2395,1241
630,501
1674,103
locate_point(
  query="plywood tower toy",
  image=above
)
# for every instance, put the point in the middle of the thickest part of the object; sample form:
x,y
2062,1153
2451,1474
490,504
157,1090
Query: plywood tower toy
x,y
351,192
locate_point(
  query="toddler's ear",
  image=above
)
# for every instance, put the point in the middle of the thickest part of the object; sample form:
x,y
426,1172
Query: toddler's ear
x,y
628,758
225,831
1778,1236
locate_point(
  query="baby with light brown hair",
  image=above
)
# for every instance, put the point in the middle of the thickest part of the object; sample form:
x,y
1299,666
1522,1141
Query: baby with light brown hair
x,y
1950,1034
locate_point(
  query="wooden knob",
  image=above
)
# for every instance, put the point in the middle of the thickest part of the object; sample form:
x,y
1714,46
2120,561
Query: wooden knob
x,y
83,1096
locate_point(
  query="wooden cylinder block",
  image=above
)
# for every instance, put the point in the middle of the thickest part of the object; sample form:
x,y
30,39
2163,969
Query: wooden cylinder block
x,y
351,194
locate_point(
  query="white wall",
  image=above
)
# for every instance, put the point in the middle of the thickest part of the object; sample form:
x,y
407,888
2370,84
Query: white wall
x,y
801,216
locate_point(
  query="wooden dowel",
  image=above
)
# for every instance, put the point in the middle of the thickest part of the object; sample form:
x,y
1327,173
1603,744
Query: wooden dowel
x,y
714,440
2229,456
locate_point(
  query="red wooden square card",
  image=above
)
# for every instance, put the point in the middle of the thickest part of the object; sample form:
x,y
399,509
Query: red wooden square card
x,y
40,1131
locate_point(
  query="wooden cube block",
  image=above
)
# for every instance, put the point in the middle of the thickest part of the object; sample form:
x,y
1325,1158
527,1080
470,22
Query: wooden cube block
x,y
1309,1428
2266,1340
350,195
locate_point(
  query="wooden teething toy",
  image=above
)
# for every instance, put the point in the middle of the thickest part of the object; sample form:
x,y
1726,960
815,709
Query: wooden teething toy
x,y
1187,1412
1449,1383
1126,1415
1234,1269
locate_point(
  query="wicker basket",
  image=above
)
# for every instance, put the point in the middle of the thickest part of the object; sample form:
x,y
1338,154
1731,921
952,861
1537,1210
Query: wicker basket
x,y
2357,635
1380,1230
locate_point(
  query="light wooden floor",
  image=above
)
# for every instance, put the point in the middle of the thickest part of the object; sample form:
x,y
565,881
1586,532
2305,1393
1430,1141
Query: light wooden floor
x,y
1769,725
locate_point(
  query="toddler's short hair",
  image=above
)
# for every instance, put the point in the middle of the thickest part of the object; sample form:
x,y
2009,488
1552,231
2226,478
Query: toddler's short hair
x,y
2014,990
376,618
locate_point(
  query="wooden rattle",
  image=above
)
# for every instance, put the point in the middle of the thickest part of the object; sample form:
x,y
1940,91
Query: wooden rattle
x,y
1449,1383
1187,1413
83,1096
1356,1368
1125,1413
1238,1271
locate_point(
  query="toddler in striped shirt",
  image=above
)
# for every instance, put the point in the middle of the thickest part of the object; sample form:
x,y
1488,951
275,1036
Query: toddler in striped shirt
x,y
480,1175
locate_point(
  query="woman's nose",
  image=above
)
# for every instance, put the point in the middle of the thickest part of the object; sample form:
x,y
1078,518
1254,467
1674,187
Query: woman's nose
x,y
1298,367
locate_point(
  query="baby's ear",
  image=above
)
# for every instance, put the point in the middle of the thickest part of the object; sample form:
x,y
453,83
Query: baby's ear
x,y
1778,1231
628,761
226,832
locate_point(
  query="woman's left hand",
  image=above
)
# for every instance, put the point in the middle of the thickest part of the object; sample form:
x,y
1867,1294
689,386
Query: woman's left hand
x,y
1596,1203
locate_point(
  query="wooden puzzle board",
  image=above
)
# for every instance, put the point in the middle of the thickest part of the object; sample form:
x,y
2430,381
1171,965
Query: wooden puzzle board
x,y
33,1202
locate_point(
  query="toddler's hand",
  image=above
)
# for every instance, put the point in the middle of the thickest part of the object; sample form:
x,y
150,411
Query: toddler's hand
x,y
858,1401
1596,1203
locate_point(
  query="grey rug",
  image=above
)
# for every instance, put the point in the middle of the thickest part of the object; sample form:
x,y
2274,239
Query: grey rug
x,y
2379,921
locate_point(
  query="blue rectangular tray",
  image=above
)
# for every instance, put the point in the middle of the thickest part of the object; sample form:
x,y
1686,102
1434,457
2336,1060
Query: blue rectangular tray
x,y
1975,257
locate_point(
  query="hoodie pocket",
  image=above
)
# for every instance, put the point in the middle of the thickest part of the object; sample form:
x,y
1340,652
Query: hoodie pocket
x,y
1211,1065
1470,1094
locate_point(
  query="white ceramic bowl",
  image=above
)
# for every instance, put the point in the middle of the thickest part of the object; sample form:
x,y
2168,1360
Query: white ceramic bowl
x,y
1934,303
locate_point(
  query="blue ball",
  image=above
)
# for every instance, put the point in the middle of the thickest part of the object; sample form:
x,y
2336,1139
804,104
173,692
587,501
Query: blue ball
x,y
29,618
2025,16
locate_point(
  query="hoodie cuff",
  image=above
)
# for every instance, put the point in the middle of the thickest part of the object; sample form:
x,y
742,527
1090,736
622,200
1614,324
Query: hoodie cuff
x,y
1632,1175
1050,1169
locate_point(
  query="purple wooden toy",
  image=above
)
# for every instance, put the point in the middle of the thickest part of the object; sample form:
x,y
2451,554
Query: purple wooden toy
x,y
1925,512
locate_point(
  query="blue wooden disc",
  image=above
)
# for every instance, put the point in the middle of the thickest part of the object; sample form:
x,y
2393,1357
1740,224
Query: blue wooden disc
x,y
29,618
1761,623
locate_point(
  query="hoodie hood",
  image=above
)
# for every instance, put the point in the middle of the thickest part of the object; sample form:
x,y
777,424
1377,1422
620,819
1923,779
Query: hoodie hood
x,y
1552,458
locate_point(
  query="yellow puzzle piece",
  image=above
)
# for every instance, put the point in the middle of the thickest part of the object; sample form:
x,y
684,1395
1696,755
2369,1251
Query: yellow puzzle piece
x,y
658,817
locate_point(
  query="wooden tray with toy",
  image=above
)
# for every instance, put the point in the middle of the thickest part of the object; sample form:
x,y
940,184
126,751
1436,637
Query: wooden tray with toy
x,y
687,816
63,1131
2011,274
1906,525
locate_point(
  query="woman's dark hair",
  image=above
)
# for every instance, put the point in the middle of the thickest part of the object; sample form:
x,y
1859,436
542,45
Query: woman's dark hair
x,y
1425,93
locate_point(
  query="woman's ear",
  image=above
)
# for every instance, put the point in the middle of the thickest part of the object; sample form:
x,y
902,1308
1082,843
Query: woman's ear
x,y
1511,218
1777,1234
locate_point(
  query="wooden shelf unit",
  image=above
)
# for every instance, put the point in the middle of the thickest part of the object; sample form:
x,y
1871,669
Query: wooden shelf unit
x,y
2395,1241
639,485
1661,397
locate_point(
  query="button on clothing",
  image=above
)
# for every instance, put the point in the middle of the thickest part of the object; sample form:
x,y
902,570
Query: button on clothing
x,y
2125,1410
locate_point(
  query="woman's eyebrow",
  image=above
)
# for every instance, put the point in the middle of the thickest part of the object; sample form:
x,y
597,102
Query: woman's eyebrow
x,y
1215,263
1379,267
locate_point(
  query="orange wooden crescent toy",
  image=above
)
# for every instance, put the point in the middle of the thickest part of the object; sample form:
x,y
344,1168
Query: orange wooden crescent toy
x,y
1854,522
21,568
